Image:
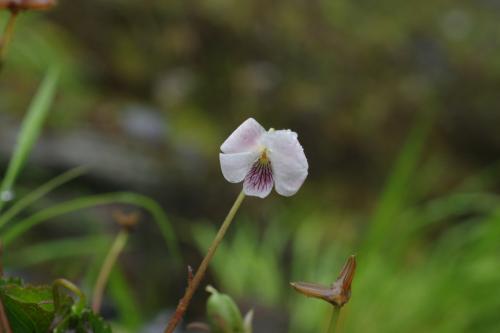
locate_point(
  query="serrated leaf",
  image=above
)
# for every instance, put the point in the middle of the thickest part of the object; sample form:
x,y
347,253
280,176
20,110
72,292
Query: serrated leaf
x,y
28,308
86,322
10,280
71,316
31,309
37,295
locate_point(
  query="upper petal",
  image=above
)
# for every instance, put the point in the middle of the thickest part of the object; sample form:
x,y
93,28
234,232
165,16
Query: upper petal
x,y
236,166
290,167
245,138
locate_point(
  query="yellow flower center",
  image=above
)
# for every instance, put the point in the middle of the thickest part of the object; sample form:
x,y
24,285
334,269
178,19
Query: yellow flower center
x,y
264,158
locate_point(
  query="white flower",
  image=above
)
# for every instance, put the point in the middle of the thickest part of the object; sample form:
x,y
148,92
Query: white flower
x,y
262,159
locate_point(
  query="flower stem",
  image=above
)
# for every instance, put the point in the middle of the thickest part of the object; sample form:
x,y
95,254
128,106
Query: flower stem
x,y
107,266
63,283
7,35
200,273
332,327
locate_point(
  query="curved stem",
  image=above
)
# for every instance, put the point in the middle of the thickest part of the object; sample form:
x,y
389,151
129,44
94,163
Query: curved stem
x,y
63,283
200,273
332,327
7,34
107,266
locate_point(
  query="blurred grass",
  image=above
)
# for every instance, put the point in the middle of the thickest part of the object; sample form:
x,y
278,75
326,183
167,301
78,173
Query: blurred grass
x,y
126,302
249,263
397,190
68,247
24,225
39,193
56,249
30,130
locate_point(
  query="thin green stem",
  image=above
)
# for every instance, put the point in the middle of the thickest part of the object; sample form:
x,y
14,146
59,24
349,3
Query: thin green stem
x,y
107,266
200,273
334,319
63,283
7,35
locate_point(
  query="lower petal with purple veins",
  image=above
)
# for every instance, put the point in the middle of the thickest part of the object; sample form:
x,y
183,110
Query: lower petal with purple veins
x,y
259,180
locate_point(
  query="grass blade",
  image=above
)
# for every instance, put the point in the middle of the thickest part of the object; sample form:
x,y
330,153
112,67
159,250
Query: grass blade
x,y
57,249
395,193
30,130
120,292
39,193
145,202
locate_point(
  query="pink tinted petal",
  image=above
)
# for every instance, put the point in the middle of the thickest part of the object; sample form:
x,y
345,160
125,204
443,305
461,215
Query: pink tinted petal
x,y
236,166
259,180
245,138
290,167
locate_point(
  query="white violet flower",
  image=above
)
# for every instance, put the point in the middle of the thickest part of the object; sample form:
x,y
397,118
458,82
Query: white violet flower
x,y
262,159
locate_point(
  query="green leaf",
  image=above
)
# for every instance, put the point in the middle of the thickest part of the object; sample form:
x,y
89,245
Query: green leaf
x,y
33,309
74,316
85,322
10,280
28,308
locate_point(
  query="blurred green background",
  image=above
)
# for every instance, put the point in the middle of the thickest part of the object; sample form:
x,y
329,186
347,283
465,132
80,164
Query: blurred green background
x,y
397,105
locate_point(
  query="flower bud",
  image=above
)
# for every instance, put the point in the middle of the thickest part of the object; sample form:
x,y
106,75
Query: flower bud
x,y
127,220
339,293
223,314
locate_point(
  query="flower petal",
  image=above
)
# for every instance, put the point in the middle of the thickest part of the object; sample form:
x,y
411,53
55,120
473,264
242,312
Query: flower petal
x,y
259,180
245,138
290,167
236,166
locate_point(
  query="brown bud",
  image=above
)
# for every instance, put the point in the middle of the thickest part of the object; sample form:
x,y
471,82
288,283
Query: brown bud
x,y
127,221
340,291
17,5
